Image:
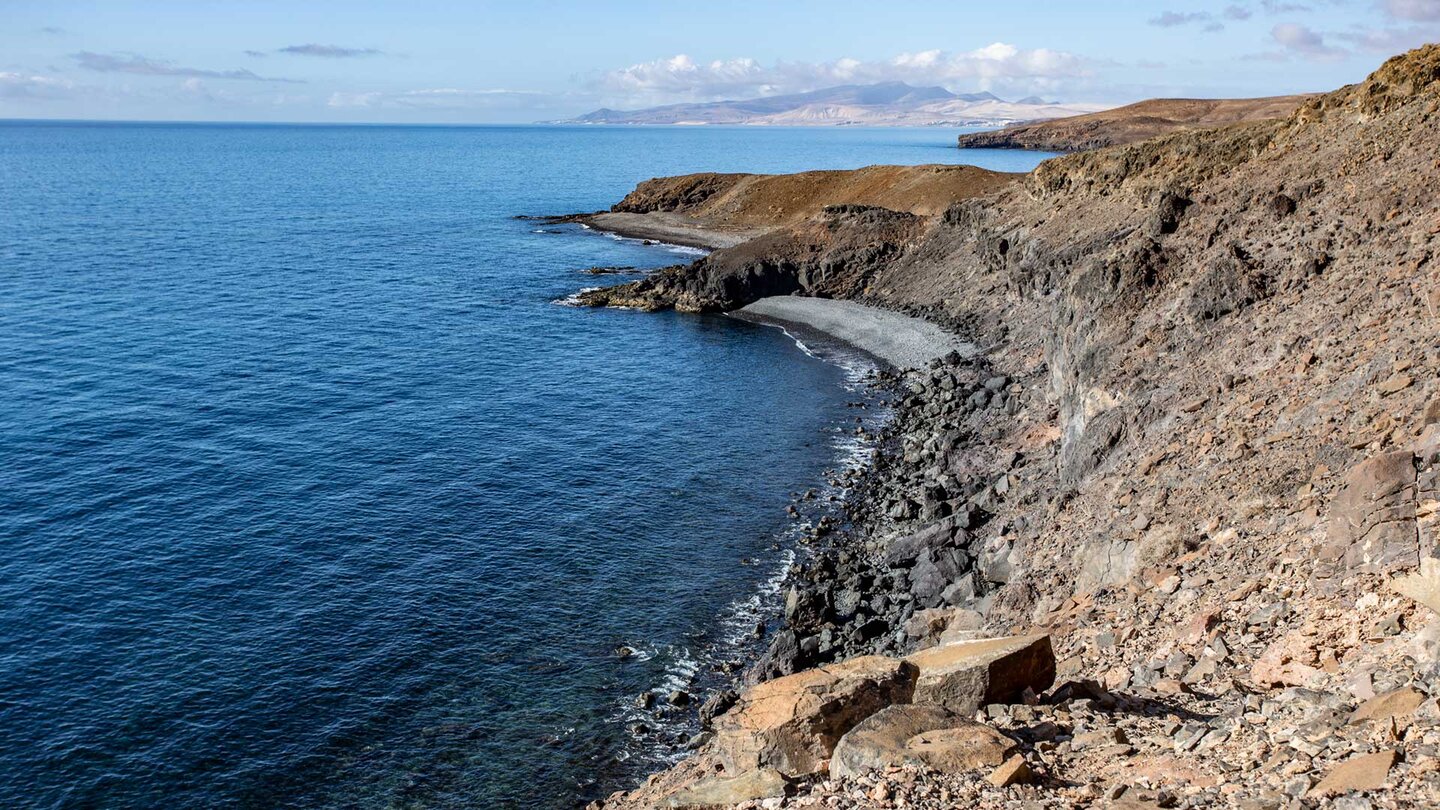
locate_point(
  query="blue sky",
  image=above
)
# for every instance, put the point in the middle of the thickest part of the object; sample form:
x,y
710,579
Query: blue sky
x,y
421,61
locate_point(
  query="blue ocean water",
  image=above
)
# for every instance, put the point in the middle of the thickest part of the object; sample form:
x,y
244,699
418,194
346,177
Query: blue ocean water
x,y
311,496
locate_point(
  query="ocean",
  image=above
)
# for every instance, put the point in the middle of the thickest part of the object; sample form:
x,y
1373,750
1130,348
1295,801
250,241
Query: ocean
x,y
313,496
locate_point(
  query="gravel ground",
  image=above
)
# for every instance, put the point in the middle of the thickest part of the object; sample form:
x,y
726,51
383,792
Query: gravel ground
x,y
900,340
674,229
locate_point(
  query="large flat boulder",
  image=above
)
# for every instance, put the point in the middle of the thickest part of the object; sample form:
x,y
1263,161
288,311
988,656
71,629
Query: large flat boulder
x,y
965,675
792,724
922,735
1422,585
1372,519
718,792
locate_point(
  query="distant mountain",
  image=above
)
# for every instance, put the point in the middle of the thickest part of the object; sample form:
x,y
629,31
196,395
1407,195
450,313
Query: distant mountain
x,y
884,104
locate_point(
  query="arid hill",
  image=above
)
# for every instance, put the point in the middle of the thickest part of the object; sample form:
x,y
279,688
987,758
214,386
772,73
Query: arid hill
x,y
1196,473
766,200
722,210
1134,122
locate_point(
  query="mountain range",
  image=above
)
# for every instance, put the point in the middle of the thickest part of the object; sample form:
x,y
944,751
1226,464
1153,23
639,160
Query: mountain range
x,y
884,104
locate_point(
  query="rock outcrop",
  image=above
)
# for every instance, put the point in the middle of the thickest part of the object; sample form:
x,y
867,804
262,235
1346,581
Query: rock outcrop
x,y
835,256
791,724
966,675
922,735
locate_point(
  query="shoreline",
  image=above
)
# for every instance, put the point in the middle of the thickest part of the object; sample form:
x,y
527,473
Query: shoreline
x,y
1132,549
841,520
900,341
658,226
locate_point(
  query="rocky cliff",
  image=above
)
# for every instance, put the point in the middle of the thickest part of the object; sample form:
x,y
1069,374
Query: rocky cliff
x,y
1131,123
1198,460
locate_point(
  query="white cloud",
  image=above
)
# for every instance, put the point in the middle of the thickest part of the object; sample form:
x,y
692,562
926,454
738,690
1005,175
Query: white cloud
x,y
439,98
138,65
682,76
1417,10
1173,19
328,51
1298,39
1390,40
34,87
996,66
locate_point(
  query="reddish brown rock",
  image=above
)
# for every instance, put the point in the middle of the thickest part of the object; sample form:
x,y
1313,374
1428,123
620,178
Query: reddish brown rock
x,y
722,791
792,724
1290,660
966,675
1372,520
1013,772
1397,704
1366,772
922,735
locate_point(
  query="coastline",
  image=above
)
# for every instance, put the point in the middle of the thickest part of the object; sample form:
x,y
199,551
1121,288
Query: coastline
x,y
900,341
658,226
862,498
1129,552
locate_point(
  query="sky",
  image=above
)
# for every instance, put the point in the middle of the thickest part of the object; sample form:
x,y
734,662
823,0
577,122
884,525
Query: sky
x,y
523,61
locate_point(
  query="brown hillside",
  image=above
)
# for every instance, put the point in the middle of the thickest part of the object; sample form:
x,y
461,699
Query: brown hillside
x,y
770,200
1135,122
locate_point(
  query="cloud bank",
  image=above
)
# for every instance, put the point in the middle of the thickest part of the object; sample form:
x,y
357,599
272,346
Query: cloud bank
x,y
997,66
1298,39
33,87
1414,10
141,66
439,98
328,51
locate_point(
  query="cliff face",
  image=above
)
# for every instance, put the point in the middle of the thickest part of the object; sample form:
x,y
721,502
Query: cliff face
x,y
1205,438
1132,123
833,256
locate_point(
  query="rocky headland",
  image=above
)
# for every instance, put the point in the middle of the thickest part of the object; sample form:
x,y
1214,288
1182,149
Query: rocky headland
x,y
726,210
1168,536
1132,123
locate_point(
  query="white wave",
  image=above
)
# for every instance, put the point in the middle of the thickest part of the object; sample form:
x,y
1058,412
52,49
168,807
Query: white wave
x,y
735,631
573,299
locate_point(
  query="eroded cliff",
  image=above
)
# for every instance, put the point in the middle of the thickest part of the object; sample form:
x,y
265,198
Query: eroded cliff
x,y
1199,456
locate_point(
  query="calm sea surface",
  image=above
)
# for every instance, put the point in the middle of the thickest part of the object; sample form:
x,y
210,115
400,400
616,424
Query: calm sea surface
x,y
311,496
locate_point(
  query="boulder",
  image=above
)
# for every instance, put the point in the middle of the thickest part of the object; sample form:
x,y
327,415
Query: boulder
x,y
718,792
1423,585
1396,705
1372,519
1014,771
968,746
903,550
965,675
1365,772
920,735
792,724
1290,660
965,625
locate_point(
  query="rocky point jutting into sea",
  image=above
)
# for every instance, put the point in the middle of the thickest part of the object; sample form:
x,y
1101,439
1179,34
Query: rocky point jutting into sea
x,y
1168,537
